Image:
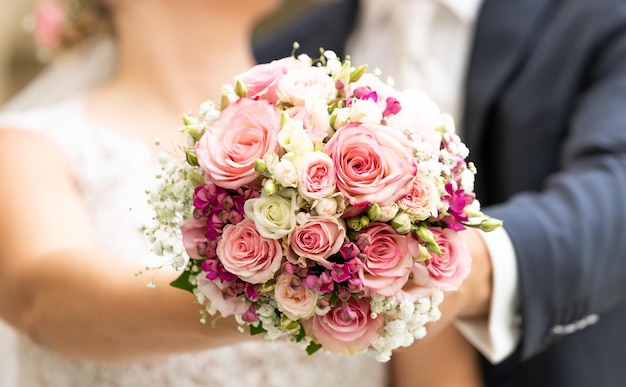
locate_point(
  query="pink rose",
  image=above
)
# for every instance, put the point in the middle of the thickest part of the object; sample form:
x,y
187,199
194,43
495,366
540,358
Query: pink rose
x,y
373,163
422,200
449,270
49,18
346,329
245,131
317,239
194,241
248,255
293,299
262,80
316,176
388,259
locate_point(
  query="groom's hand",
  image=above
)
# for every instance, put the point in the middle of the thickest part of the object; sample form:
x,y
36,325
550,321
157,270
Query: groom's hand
x,y
473,298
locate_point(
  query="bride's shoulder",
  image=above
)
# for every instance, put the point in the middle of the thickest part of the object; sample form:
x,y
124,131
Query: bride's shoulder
x,y
55,129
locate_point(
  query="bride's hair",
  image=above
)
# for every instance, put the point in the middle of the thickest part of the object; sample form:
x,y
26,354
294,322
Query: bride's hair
x,y
83,20
60,25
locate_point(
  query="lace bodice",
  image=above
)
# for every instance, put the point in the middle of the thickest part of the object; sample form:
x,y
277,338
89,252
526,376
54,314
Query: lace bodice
x,y
112,172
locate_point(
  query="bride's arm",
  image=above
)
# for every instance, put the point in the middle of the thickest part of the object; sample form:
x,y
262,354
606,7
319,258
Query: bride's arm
x,y
443,360
63,292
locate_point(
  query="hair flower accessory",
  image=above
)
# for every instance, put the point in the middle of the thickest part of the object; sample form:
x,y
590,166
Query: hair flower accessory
x,y
58,25
318,203
49,17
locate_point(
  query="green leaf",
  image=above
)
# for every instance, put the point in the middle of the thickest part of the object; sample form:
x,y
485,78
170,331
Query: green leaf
x,y
313,347
301,334
182,282
256,330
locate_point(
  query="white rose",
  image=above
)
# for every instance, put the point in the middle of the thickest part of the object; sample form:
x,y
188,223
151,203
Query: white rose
x,y
274,216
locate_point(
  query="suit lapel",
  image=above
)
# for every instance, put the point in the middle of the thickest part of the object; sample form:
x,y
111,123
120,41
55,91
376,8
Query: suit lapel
x,y
504,30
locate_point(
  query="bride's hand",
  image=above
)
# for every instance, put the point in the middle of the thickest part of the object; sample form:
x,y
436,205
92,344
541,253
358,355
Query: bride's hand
x,y
442,360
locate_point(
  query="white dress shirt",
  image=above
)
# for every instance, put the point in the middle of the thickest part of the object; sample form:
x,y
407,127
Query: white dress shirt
x,y
425,44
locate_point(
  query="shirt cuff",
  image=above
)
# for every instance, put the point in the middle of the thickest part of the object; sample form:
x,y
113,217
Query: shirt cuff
x,y
497,335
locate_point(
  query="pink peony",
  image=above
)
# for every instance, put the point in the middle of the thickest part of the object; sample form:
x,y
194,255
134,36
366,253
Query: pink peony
x,y
388,259
449,270
317,239
262,80
245,131
346,329
373,163
248,255
293,299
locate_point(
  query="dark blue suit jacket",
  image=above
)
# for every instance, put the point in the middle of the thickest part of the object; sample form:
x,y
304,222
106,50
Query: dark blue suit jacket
x,y
545,121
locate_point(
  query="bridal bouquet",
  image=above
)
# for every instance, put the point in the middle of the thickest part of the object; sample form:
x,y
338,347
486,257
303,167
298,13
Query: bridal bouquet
x,y
317,202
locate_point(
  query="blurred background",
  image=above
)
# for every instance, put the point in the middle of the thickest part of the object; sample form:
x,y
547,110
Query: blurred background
x,y
17,59
18,65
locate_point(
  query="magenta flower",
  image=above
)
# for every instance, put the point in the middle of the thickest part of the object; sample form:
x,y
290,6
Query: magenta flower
x,y
322,283
393,107
349,251
457,201
249,315
214,270
364,92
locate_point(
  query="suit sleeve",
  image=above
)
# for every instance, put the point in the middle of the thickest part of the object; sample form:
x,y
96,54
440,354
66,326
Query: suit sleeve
x,y
570,238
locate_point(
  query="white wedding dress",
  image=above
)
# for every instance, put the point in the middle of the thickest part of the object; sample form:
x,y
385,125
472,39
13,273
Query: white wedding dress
x,y
112,171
